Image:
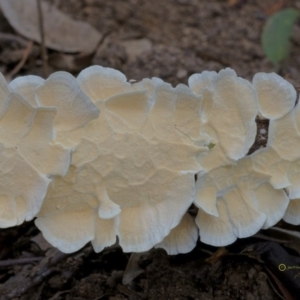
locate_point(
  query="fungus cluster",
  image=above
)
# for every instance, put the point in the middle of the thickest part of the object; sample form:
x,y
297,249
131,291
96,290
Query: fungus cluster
x,y
98,159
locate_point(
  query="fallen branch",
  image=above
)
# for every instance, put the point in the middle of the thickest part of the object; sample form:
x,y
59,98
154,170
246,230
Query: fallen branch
x,y
39,277
20,261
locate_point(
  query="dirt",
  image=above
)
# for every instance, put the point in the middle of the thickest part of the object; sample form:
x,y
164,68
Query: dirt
x,y
181,277
169,39
185,36
88,275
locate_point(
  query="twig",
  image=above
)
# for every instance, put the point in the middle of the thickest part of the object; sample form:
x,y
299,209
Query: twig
x,y
39,277
102,296
23,60
20,261
42,35
56,295
11,38
40,289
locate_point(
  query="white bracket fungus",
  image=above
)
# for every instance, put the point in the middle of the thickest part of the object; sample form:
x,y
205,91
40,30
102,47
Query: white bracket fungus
x,y
131,174
26,86
235,198
29,122
280,159
229,111
277,99
22,188
100,83
235,202
135,162
27,156
74,107
182,238
276,96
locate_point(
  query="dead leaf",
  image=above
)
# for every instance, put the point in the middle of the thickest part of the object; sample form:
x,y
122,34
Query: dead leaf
x,y
279,5
284,291
62,33
286,234
283,265
290,238
221,252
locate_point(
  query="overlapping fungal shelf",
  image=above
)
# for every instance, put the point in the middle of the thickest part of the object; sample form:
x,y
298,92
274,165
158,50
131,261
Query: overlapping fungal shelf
x,y
99,159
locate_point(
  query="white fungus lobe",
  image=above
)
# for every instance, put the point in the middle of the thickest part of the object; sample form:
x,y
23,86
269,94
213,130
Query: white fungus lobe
x,y
101,159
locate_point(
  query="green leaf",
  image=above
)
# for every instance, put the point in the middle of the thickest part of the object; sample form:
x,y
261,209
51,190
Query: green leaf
x,y
277,33
211,145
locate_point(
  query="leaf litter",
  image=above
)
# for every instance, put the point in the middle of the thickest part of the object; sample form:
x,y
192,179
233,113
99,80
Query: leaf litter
x,y
62,33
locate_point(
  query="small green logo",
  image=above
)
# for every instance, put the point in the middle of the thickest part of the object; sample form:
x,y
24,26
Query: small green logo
x,y
282,267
